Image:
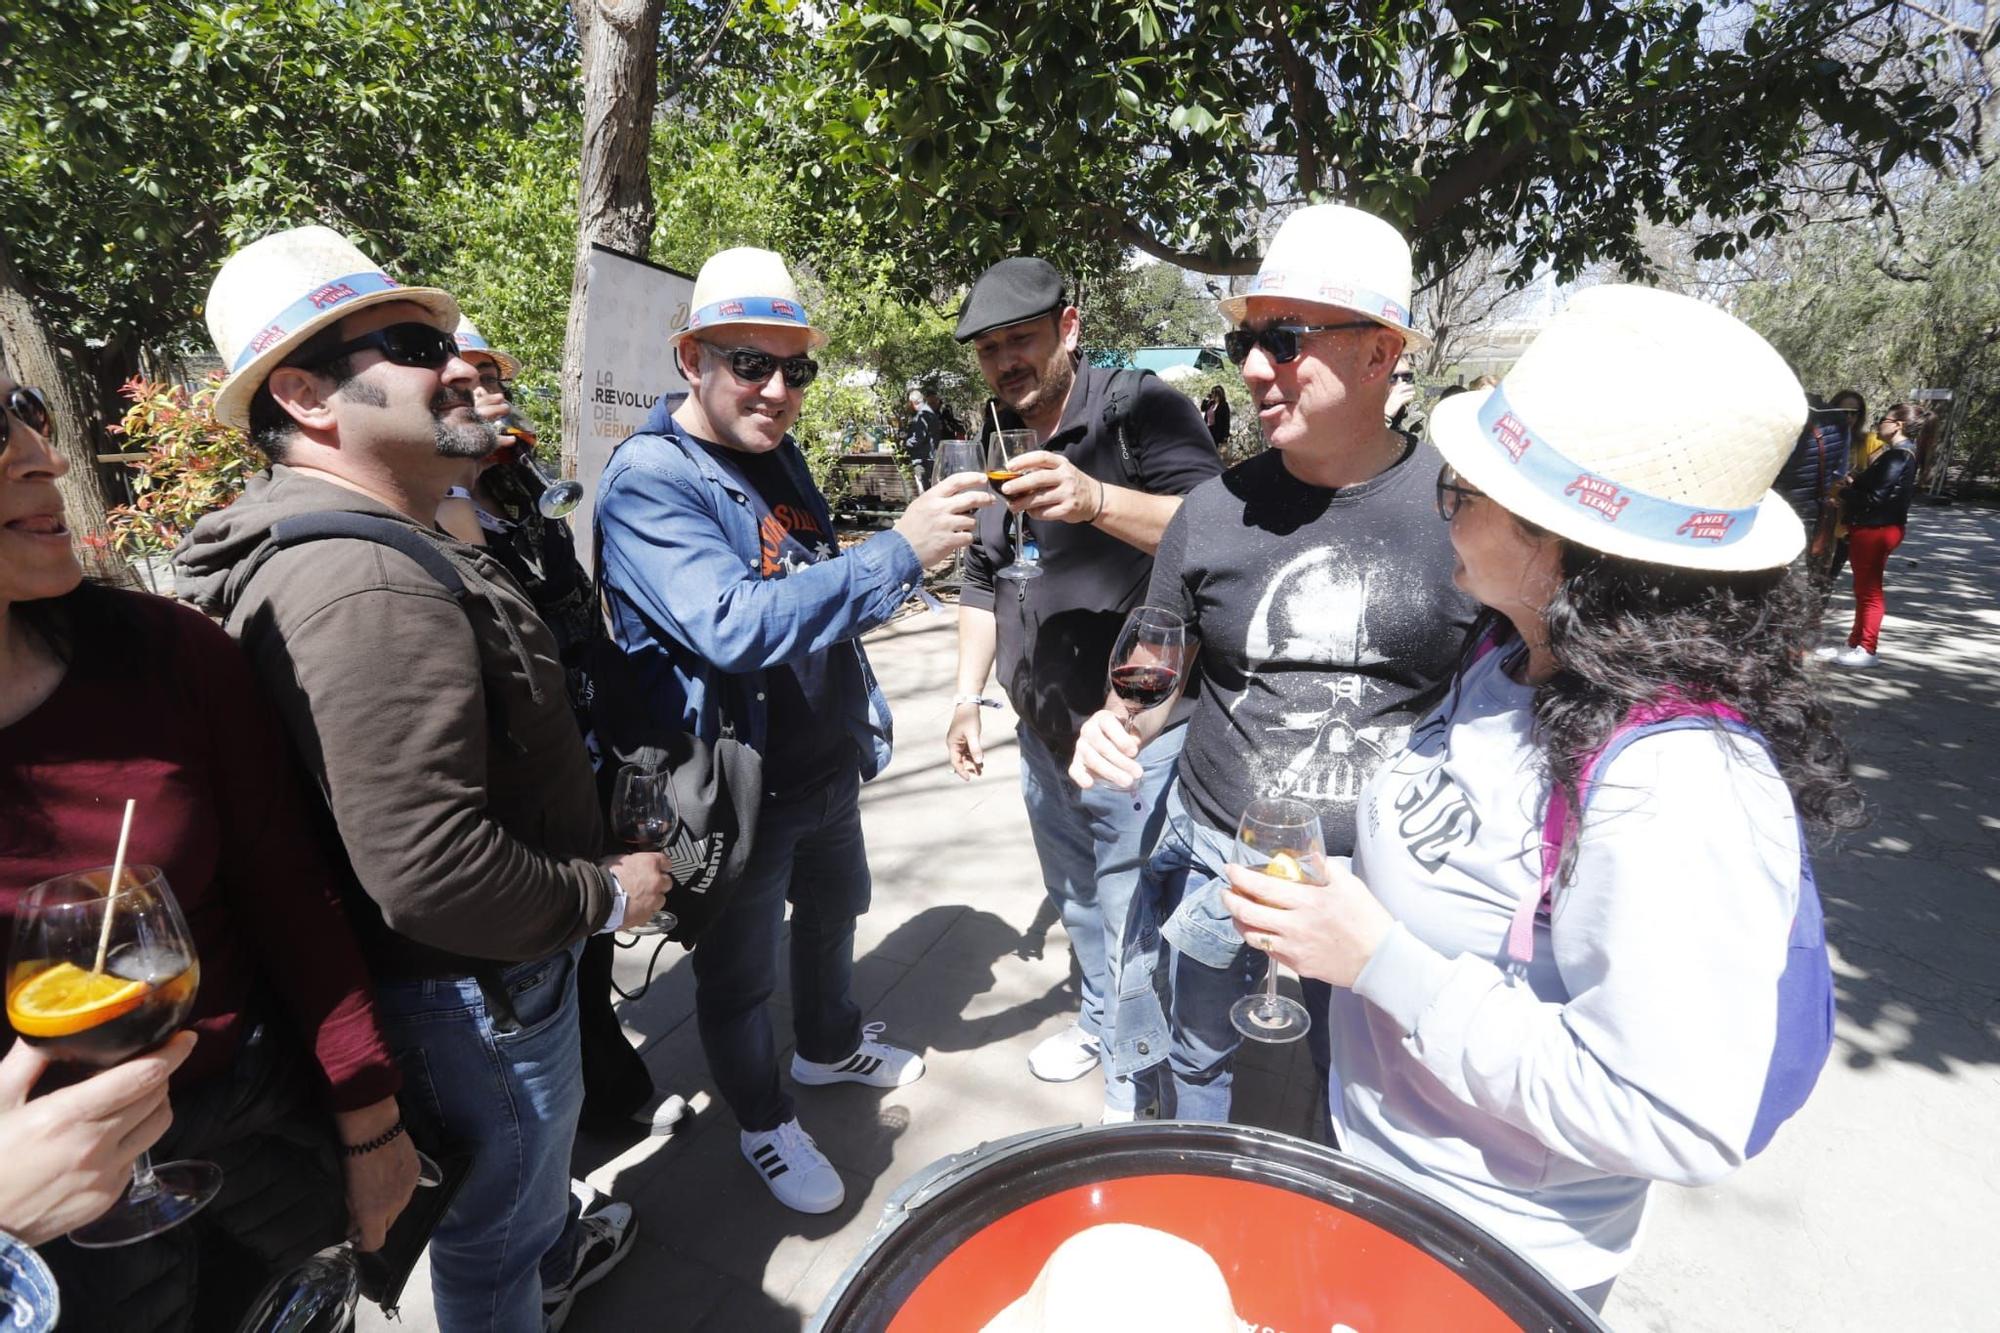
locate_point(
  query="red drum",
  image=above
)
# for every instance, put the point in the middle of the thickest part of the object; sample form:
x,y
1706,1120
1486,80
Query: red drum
x,y
1306,1237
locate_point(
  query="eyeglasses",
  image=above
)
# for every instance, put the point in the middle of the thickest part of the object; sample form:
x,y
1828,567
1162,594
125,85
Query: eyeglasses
x,y
1452,494
1403,377
409,344
32,409
754,367
1281,342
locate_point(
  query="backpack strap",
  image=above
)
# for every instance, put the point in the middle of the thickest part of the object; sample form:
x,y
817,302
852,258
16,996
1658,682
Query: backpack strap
x,y
1119,399
1671,712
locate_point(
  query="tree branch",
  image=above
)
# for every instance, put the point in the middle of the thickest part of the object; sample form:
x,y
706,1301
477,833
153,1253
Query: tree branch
x,y
686,76
1297,84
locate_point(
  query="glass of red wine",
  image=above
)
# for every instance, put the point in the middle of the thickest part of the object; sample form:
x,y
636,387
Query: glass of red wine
x,y
94,978
645,817
1146,663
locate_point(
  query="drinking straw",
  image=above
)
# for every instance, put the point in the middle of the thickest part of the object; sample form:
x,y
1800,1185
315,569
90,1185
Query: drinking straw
x,y
994,407
117,873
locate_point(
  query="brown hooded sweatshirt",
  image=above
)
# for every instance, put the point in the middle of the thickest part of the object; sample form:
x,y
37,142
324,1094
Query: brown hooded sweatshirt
x,y
439,734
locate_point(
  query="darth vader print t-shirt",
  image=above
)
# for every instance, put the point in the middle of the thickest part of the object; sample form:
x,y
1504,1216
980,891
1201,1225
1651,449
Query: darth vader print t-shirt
x,y
1323,616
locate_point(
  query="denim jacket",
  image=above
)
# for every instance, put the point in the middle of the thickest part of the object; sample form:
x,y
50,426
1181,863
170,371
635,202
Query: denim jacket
x,y
679,562
28,1299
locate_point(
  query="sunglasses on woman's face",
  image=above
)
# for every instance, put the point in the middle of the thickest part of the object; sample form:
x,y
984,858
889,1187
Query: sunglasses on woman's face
x,y
29,407
1281,342
1452,494
754,367
409,344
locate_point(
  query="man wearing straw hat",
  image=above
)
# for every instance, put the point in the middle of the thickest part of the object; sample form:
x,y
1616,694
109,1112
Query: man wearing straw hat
x,y
425,698
742,617
1319,588
1116,452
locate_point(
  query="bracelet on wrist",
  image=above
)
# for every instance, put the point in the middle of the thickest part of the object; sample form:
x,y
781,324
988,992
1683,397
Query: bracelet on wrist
x,y
382,1140
980,700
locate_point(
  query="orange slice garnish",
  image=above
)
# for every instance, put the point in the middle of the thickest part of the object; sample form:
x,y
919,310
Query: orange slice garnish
x,y
1286,866
64,999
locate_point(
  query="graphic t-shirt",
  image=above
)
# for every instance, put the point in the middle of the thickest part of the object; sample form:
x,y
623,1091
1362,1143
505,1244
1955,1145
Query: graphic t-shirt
x,y
1322,615
808,744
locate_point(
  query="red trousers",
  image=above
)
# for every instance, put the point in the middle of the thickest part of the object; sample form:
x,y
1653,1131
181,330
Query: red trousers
x,y
1868,553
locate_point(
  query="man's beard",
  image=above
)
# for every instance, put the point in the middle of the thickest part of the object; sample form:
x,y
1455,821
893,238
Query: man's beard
x,y
1051,386
460,439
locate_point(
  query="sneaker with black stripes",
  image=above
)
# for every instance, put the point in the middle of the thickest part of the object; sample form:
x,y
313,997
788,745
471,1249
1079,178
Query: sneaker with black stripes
x,y
874,1063
794,1168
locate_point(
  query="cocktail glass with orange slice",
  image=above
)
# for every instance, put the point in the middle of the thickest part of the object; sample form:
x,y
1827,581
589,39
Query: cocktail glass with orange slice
x,y
1282,836
94,978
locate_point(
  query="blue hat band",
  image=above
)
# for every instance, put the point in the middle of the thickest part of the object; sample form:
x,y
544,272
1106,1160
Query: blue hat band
x,y
309,307
1560,479
749,307
1373,304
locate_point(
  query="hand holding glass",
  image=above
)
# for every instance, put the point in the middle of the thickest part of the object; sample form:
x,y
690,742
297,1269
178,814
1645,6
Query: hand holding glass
x,y
643,817
1279,836
93,979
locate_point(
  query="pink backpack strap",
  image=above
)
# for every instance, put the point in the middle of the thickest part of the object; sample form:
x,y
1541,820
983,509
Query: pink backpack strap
x,y
1671,706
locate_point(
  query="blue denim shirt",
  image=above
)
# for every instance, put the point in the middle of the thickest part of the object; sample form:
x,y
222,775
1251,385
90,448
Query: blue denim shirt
x,y
680,559
28,1300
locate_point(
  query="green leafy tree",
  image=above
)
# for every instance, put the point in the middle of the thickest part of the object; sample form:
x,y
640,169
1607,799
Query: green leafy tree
x,y
1174,127
147,139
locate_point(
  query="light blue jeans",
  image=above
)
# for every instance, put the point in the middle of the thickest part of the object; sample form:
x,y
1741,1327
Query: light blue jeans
x,y
1091,845
513,1097
1185,964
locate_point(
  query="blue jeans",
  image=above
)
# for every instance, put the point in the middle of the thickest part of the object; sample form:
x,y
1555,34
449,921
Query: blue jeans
x,y
809,852
1185,965
513,1096
1091,845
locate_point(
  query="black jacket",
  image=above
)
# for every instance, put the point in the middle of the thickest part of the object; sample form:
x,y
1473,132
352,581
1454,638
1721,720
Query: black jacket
x,y
1880,496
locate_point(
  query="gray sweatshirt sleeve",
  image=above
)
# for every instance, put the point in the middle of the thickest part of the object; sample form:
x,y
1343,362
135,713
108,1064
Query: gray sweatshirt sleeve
x,y
1670,940
384,698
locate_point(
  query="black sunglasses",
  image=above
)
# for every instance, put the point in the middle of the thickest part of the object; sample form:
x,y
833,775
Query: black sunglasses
x,y
755,367
1451,494
409,344
29,405
1403,377
1281,342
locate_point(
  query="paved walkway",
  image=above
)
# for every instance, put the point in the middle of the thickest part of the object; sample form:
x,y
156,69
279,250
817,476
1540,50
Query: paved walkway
x,y
1879,1207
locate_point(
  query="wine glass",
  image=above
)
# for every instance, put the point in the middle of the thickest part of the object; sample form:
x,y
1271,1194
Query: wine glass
x,y
559,496
319,1296
1146,663
954,457
645,817
1281,837
1008,444
94,978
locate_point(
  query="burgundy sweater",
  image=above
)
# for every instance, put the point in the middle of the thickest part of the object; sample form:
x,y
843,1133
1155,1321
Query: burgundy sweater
x,y
190,736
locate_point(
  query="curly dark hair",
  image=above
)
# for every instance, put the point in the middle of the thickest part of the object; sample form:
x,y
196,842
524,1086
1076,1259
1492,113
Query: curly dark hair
x,y
1623,632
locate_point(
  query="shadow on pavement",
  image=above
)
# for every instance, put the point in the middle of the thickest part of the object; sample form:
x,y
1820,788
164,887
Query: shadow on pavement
x,y
1913,899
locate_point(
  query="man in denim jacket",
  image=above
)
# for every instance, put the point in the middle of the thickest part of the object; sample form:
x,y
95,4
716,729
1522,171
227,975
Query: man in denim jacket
x,y
742,616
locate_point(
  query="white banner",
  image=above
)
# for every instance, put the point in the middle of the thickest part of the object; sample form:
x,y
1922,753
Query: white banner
x,y
630,308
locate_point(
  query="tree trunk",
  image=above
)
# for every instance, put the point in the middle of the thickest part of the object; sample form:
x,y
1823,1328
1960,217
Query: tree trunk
x,y
32,358
621,71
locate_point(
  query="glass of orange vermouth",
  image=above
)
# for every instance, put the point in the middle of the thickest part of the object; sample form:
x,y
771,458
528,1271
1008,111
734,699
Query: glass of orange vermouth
x,y
94,978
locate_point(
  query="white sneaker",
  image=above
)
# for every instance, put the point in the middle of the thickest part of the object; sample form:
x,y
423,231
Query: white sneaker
x,y
1118,1115
794,1168
1828,653
663,1116
873,1063
607,1236
1856,657
1070,1054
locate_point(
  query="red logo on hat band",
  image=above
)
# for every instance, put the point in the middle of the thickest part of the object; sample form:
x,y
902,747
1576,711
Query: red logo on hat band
x,y
1513,436
265,339
785,308
1599,494
331,295
1712,527
731,307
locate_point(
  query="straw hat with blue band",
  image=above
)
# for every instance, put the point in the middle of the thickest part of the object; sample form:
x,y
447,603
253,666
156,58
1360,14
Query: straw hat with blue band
x,y
273,294
1643,424
745,286
1333,255
472,342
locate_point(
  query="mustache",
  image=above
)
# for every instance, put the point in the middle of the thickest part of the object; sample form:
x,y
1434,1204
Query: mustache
x,y
447,398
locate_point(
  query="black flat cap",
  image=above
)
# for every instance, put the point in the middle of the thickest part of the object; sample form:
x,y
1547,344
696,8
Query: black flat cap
x,y
1009,292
